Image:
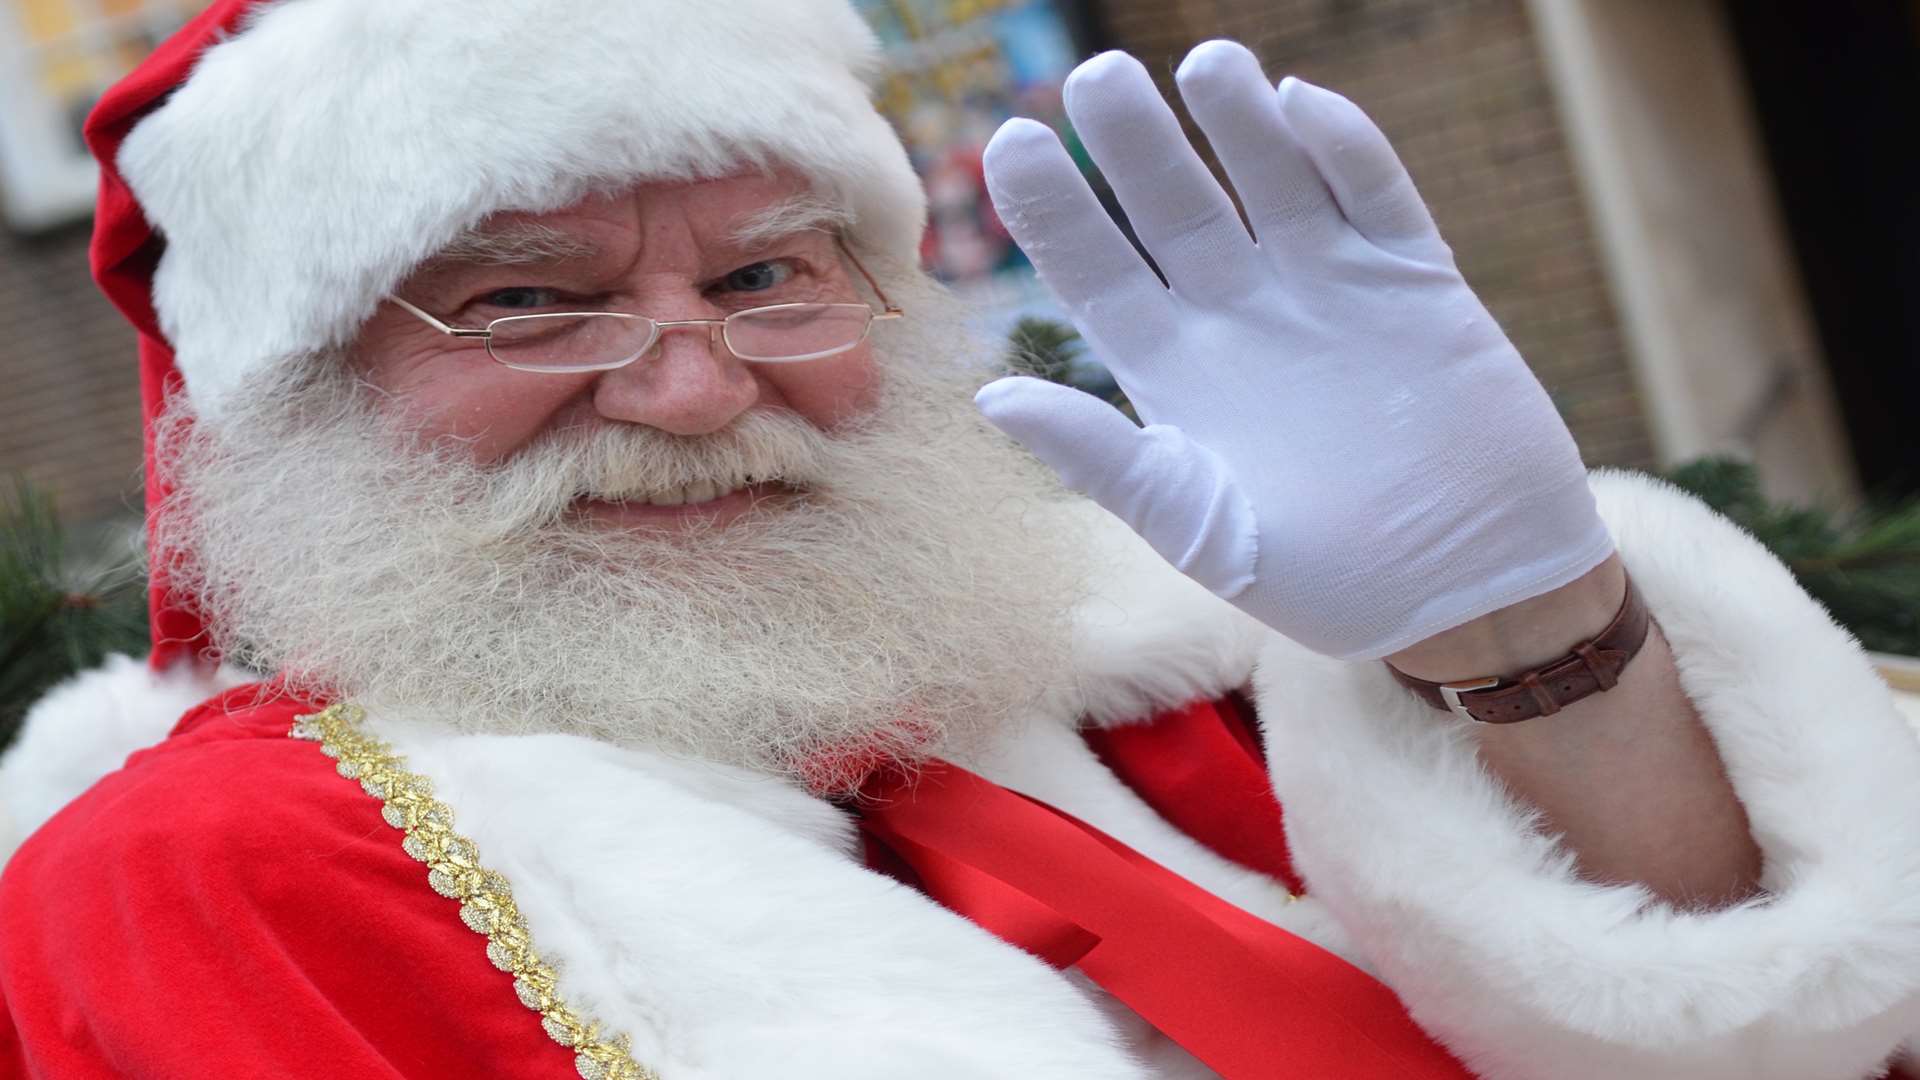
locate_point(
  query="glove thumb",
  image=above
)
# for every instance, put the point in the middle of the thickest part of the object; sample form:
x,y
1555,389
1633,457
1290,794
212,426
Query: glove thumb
x,y
1177,494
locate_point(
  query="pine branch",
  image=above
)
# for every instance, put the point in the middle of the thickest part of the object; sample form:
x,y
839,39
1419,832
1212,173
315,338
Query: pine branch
x,y
58,616
1051,350
1863,567
1043,348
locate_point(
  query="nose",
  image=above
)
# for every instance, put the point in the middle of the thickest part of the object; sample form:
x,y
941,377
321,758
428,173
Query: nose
x,y
689,383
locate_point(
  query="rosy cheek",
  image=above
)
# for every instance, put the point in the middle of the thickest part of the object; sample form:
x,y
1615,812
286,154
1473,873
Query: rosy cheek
x,y
827,392
493,422
489,409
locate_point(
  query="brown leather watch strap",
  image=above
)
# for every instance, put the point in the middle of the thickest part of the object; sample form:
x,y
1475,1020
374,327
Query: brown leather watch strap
x,y
1591,667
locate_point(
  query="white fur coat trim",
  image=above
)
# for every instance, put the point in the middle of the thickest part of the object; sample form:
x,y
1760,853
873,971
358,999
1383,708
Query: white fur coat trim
x,y
724,919
315,158
1146,637
1479,920
84,729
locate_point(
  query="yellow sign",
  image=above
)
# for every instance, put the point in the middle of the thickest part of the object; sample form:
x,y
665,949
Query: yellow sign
x,y
56,58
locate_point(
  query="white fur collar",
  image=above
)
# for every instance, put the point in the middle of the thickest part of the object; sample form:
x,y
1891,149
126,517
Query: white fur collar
x,y
724,921
1148,637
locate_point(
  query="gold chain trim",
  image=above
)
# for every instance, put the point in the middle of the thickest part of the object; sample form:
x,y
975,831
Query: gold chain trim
x,y
454,871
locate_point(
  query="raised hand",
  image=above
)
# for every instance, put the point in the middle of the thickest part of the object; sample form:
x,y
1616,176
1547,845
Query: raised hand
x,y
1339,438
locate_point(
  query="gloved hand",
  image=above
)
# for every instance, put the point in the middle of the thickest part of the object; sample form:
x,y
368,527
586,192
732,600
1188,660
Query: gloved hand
x,y
1339,438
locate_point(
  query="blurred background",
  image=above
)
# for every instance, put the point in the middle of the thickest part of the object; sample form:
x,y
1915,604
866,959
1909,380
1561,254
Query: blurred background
x,y
1698,219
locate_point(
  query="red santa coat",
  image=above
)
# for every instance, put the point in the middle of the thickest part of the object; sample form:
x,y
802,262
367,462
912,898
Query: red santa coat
x,y
227,905
238,868
229,893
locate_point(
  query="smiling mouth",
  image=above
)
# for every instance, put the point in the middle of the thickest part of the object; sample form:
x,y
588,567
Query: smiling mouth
x,y
693,494
689,494
722,500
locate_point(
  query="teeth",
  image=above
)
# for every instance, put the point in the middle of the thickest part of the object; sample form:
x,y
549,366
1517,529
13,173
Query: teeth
x,y
699,491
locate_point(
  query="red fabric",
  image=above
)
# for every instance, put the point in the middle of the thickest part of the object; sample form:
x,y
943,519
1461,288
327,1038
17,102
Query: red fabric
x,y
1245,997
123,255
227,905
1201,768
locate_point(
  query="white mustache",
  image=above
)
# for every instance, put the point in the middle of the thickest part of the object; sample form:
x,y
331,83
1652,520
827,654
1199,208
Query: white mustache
x,y
630,463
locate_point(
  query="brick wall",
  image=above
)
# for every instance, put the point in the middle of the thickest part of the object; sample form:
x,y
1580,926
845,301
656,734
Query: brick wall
x,y
1459,87
69,384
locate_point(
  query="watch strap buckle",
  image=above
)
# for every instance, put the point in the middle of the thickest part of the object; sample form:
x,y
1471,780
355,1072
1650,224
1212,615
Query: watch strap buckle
x,y
1450,693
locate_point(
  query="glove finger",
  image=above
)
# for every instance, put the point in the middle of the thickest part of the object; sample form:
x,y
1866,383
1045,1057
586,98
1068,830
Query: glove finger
x,y
1082,439
1359,165
1079,252
1176,207
1277,181
1177,494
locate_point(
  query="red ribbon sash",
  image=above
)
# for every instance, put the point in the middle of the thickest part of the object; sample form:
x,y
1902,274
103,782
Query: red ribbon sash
x,y
1242,995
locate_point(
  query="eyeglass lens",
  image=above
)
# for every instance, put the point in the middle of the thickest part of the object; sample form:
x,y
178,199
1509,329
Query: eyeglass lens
x,y
588,341
797,331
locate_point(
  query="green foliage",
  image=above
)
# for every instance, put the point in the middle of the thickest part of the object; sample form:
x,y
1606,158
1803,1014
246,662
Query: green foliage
x,y
1050,350
57,616
1865,567
1044,349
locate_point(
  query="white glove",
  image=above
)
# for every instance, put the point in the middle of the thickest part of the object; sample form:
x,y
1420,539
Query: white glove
x,y
1339,438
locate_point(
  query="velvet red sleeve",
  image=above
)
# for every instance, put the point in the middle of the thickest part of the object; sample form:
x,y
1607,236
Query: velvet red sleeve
x,y
228,905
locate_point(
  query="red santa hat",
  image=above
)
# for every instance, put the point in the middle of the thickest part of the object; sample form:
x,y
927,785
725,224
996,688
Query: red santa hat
x,y
278,166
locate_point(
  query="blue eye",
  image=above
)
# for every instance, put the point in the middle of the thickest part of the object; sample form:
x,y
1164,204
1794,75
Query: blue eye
x,y
520,298
760,276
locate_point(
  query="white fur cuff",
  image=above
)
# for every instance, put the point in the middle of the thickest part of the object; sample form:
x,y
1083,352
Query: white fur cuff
x,y
1481,923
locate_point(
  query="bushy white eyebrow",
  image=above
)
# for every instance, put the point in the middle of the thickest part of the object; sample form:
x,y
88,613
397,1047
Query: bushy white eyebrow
x,y
526,243
519,243
791,215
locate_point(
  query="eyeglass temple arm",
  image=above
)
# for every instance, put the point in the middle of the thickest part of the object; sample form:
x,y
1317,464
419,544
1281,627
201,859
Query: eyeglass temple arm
x,y
891,311
430,320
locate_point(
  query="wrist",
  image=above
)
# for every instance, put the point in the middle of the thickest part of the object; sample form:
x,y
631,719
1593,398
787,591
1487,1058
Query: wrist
x,y
1521,636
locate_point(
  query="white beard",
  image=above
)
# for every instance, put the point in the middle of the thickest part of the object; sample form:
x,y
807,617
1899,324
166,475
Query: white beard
x,y
913,598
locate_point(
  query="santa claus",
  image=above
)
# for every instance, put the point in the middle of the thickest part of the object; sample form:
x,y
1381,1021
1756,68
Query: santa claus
x,y
656,667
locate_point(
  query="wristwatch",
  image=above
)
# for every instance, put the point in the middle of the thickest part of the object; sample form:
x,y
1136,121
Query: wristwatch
x,y
1593,666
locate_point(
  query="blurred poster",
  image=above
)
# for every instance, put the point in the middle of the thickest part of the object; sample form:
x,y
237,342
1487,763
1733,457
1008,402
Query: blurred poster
x,y
56,58
954,69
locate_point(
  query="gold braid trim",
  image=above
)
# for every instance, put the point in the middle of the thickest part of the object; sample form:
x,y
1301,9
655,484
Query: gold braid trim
x,y
454,871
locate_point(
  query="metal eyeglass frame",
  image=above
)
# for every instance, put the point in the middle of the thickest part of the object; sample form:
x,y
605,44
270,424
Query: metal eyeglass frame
x,y
485,334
